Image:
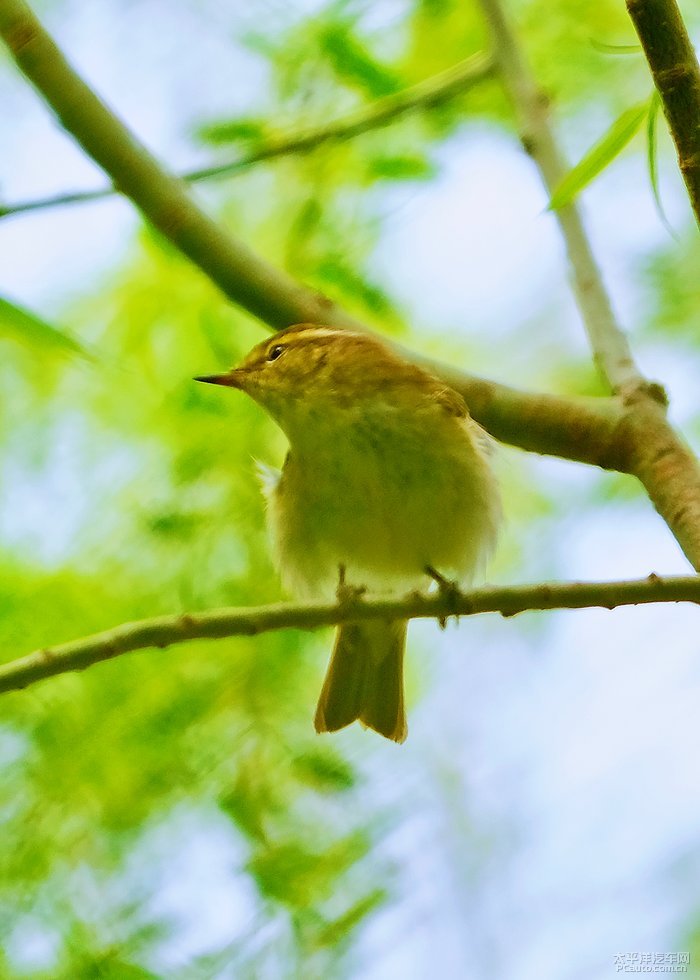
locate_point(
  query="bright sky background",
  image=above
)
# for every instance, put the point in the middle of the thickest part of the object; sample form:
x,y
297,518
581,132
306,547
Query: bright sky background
x,y
563,741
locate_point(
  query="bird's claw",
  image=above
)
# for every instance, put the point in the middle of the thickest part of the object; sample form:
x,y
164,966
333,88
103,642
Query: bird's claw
x,y
448,590
345,593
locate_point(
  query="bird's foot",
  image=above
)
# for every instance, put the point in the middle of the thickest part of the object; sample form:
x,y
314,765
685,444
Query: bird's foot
x,y
448,590
347,594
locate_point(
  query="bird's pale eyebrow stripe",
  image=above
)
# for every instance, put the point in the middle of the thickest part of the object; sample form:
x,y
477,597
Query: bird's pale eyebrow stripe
x,y
314,333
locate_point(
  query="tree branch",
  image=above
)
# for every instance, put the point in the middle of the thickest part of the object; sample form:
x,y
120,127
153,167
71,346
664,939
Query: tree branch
x,y
248,280
608,341
579,429
585,430
594,431
646,446
165,631
674,67
433,91
651,450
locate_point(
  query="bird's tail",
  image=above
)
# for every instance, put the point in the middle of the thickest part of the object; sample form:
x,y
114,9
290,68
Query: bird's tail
x,y
364,680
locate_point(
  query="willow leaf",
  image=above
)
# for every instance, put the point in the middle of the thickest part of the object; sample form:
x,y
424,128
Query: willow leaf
x,y
28,328
599,156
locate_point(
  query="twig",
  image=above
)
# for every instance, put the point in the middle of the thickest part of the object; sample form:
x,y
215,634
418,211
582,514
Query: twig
x,y
165,631
647,446
600,433
608,341
433,91
256,285
674,67
580,429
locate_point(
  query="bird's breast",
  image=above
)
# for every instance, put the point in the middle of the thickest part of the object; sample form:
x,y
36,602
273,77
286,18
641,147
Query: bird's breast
x,y
384,501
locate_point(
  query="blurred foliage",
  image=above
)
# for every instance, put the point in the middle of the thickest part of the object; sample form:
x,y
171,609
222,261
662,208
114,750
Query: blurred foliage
x,y
30,330
129,491
671,278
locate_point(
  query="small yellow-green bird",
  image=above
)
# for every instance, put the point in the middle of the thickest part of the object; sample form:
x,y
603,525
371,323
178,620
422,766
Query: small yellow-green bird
x,y
387,477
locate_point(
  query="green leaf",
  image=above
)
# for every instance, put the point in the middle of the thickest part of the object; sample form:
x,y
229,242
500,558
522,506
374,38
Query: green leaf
x,y
335,271
175,524
354,64
298,875
652,161
324,771
599,156
405,167
335,932
19,324
233,131
616,48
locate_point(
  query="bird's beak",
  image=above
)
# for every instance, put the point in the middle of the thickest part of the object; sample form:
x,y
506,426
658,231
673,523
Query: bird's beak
x,y
232,378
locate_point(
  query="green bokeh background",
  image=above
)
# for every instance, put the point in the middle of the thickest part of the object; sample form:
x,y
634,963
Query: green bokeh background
x,y
150,795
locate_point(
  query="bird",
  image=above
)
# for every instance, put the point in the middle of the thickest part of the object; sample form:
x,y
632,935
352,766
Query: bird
x,y
387,484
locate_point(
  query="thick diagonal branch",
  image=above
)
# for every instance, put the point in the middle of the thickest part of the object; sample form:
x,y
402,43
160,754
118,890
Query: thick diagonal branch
x,y
674,67
646,445
247,279
580,429
588,430
165,631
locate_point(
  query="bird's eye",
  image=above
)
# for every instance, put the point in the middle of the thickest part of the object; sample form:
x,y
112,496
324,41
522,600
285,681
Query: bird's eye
x,y
274,352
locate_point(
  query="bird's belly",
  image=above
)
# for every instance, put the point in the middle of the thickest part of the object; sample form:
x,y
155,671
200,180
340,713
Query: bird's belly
x,y
384,520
